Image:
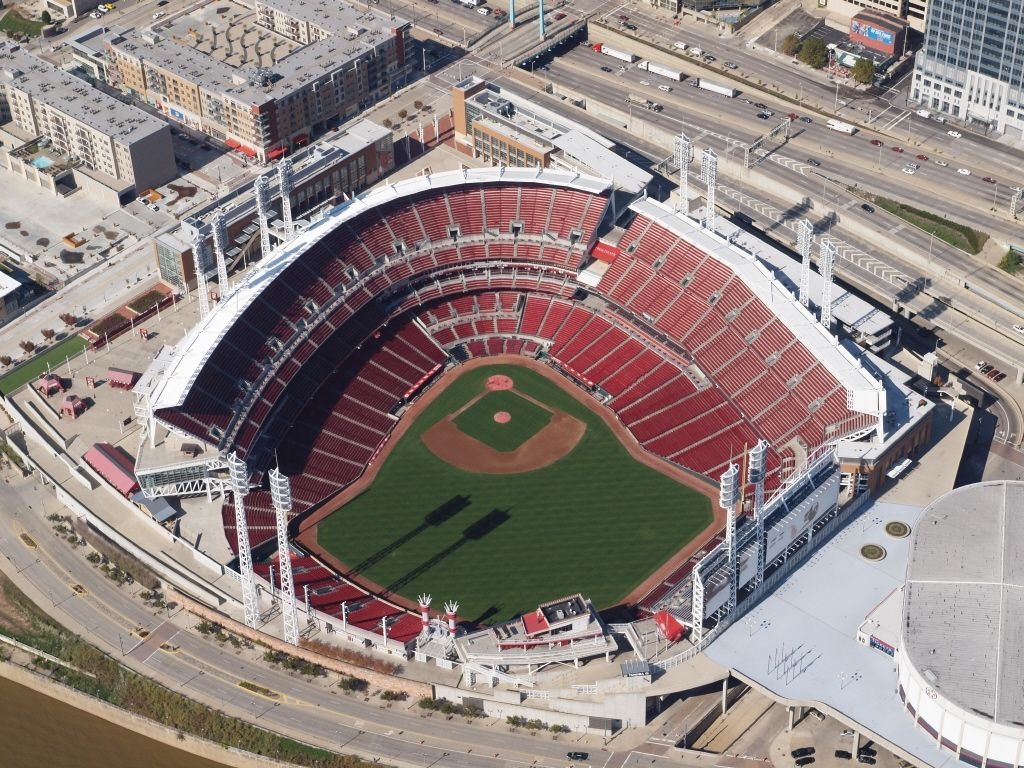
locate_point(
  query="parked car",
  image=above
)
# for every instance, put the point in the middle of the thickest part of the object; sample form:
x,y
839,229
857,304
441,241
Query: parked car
x,y
153,207
993,373
846,732
802,751
986,369
866,759
577,755
842,754
804,761
1000,377
979,365
870,752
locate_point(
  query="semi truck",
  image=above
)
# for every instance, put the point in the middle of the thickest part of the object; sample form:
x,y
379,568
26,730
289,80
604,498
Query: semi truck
x,y
644,102
842,127
707,85
607,50
658,69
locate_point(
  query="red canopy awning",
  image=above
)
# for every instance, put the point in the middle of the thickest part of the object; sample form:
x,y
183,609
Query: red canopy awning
x,y
233,143
247,151
114,465
302,138
277,152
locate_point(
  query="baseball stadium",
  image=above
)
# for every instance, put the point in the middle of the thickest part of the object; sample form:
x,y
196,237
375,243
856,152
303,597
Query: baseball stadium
x,y
505,386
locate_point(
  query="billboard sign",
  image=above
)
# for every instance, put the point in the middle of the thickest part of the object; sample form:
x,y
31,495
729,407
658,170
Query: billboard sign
x,y
863,29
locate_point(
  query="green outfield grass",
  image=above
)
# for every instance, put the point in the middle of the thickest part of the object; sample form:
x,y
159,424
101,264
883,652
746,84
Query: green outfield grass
x,y
594,522
527,420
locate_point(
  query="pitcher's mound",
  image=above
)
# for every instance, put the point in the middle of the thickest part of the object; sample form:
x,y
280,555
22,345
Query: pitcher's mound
x,y
503,417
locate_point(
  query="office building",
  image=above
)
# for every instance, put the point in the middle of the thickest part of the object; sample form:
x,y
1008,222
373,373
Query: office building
x,y
972,63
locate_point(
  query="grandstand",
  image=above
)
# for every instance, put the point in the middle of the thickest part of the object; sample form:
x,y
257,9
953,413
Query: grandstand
x,y
310,360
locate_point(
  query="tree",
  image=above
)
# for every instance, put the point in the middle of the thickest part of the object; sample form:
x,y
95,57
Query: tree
x,y
813,53
45,17
864,71
27,347
68,319
6,360
48,333
791,45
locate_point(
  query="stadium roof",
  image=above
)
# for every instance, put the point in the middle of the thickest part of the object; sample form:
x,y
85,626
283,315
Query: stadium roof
x,y
193,351
964,609
868,392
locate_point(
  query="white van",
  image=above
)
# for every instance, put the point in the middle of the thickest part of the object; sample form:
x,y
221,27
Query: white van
x,y
484,11
665,88
924,113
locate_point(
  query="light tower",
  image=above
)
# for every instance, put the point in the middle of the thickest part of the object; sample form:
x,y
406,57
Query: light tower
x,y
755,476
284,182
512,12
540,5
262,188
826,260
709,175
281,494
220,246
240,485
728,497
683,150
424,601
199,260
804,230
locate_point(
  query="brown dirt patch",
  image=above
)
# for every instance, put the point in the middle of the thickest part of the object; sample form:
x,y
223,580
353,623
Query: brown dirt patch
x,y
453,446
495,383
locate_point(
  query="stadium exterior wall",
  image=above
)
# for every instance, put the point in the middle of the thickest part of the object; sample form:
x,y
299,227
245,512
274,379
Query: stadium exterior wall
x,y
974,739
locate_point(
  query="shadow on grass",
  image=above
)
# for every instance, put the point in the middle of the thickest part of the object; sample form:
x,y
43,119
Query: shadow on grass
x,y
433,518
474,532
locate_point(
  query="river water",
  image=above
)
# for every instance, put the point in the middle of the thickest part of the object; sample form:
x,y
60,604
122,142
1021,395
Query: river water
x,y
37,731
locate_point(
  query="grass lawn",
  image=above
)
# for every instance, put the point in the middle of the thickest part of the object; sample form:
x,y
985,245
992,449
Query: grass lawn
x,y
51,359
594,522
527,419
19,25
958,235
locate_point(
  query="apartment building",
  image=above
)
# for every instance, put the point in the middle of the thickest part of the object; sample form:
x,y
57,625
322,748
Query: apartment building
x,y
349,58
972,63
61,127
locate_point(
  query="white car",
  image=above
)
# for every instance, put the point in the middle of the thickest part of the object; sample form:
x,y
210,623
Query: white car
x,y
909,171
159,15
941,163
954,134
153,207
665,88
645,82
1019,329
963,171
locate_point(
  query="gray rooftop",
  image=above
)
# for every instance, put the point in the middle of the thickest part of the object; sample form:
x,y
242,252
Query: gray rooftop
x,y
352,32
964,625
74,97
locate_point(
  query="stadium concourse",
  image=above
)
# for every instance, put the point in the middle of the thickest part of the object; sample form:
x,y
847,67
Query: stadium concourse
x,y
310,359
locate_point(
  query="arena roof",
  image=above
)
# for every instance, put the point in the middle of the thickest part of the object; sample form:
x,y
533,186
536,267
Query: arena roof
x,y
868,392
193,351
964,610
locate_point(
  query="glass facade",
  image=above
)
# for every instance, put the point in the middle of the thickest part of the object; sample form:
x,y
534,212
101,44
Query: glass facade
x,y
972,63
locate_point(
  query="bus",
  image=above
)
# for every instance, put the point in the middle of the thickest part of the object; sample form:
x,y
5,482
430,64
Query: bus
x,y
836,125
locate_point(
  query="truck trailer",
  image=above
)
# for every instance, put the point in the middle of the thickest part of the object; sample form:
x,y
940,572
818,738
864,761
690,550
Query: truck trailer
x,y
607,50
658,69
707,85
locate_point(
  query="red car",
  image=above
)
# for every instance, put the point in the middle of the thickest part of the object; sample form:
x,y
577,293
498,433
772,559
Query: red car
x,y
989,180
876,143
898,149
923,158
1000,377
992,374
792,115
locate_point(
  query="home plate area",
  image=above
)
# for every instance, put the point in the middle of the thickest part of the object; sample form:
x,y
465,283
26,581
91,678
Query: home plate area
x,y
503,431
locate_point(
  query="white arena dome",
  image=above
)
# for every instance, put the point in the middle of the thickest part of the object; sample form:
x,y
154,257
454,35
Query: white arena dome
x,y
962,652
